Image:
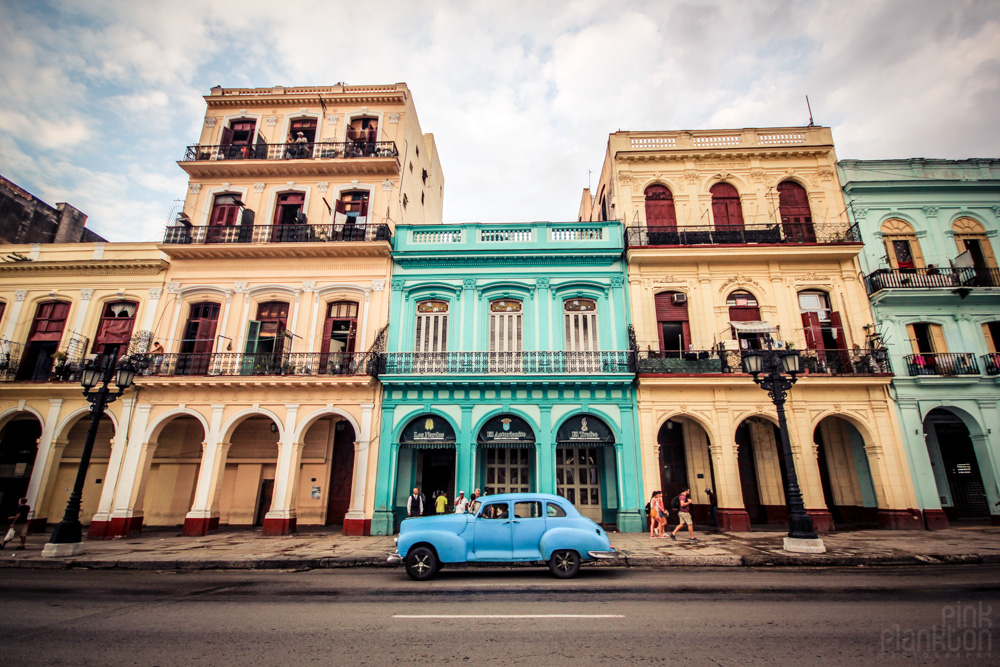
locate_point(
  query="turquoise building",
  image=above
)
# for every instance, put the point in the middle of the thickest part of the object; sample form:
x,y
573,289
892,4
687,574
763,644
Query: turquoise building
x,y
930,233
508,368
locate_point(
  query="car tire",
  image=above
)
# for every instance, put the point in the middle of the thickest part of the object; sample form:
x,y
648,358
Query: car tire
x,y
422,563
564,563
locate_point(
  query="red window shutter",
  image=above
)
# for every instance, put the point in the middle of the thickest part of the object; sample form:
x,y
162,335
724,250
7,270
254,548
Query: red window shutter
x,y
227,136
744,314
838,327
686,330
668,311
660,210
813,331
726,209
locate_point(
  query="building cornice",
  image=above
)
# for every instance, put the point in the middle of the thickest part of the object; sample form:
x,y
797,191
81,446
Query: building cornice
x,y
88,267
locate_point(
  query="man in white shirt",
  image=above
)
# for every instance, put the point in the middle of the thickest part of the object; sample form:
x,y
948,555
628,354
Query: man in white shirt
x,y
461,503
415,503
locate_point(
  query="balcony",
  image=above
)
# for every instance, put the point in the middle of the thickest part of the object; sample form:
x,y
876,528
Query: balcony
x,y
991,362
507,363
932,278
233,363
846,362
944,364
262,159
328,233
772,234
692,362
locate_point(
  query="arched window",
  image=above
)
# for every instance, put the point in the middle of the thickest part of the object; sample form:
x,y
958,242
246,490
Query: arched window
x,y
824,330
901,246
505,325
288,209
431,327
225,215
236,142
726,209
301,138
266,338
43,340
970,237
672,324
743,307
796,218
115,329
198,339
580,322
362,134
340,330
660,207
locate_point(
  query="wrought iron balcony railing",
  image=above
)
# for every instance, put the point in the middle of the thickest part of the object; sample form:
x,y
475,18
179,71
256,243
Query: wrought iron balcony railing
x,y
534,363
777,233
991,362
949,363
320,150
929,278
329,233
234,363
847,362
672,362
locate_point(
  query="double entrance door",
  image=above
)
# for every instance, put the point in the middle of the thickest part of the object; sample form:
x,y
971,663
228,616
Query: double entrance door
x,y
578,479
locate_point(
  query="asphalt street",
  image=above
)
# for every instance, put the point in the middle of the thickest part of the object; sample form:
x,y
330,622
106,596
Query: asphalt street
x,y
697,616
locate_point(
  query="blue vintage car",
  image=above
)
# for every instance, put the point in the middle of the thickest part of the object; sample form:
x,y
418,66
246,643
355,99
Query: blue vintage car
x,y
506,528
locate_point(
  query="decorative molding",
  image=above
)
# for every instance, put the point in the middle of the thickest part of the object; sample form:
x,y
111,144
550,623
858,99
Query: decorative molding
x,y
860,212
812,277
271,120
668,280
397,285
155,292
387,185
173,288
617,281
394,118
308,285
378,285
210,121
258,187
931,211
739,281
194,188
758,175
241,287
542,283
332,119
692,176
625,177
87,293
20,295
996,211
469,283
825,173
322,186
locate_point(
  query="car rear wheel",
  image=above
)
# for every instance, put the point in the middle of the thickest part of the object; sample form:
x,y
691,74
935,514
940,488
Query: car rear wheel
x,y
564,563
422,563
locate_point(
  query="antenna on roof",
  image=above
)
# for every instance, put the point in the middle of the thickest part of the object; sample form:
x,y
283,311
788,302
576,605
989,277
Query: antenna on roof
x,y
588,178
811,123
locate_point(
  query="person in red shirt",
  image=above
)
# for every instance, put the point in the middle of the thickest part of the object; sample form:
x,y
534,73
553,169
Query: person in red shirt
x,y
684,516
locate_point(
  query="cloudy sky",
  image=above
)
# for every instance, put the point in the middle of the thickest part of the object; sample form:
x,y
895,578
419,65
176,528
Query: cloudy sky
x,y
99,98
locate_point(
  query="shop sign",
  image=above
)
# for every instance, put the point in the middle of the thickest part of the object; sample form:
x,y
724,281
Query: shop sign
x,y
428,431
585,430
506,431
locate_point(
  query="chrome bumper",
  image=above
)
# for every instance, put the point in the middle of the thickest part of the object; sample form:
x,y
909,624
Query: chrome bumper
x,y
395,559
603,554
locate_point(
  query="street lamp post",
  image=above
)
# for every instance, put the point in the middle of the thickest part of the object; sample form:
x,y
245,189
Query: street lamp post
x,y
66,539
775,371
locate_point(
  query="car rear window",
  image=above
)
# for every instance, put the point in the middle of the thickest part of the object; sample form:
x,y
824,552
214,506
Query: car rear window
x,y
528,510
554,510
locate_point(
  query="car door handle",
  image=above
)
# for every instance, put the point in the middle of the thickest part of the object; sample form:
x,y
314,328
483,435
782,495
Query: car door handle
x,y
506,522
516,522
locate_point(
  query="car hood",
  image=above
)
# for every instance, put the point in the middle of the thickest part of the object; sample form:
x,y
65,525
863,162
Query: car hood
x,y
454,522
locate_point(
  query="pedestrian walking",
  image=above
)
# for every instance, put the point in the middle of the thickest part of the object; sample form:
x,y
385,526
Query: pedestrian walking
x,y
713,508
461,503
684,515
415,503
657,515
441,503
19,524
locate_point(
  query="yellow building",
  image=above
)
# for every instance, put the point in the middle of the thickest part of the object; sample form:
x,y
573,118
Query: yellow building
x,y
739,239
258,403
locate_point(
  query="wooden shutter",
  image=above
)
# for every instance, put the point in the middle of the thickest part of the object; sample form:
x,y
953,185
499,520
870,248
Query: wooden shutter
x,y
987,334
937,339
253,337
227,136
812,330
660,210
838,327
911,334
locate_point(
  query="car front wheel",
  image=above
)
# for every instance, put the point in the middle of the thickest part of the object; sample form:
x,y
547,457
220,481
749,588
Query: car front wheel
x,y
564,563
421,563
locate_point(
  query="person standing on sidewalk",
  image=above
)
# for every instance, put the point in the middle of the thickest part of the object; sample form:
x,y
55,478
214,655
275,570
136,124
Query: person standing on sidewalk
x,y
20,523
415,504
684,516
461,503
713,508
441,503
657,515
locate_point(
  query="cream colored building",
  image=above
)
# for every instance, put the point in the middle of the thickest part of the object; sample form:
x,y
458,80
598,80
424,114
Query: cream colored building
x,y
258,402
739,239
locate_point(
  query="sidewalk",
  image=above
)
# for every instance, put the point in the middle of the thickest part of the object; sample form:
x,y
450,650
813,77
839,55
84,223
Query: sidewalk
x,y
247,549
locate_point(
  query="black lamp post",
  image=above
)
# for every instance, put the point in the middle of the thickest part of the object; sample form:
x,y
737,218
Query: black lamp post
x,y
102,373
775,371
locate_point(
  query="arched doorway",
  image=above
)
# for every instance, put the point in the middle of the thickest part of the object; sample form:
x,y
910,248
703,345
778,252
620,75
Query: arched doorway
x,y
848,487
506,449
248,481
69,463
762,471
586,470
18,449
173,472
426,461
685,463
341,460
956,465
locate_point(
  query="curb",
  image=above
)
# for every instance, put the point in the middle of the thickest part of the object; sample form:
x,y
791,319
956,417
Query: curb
x,y
627,561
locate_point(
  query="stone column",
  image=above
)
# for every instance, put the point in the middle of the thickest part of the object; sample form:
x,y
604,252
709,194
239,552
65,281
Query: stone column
x,y
630,517
121,476
383,521
204,515
355,522
14,315
805,452
732,513
280,519
42,470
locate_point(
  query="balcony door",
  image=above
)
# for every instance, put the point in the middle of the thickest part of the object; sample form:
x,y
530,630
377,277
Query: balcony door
x,y
225,215
431,340
43,340
824,331
351,209
505,336
672,324
727,212
265,344
581,338
114,333
340,330
199,339
661,217
796,218
237,139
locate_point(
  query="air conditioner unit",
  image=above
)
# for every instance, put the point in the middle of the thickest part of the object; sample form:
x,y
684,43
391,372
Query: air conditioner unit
x,y
679,298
